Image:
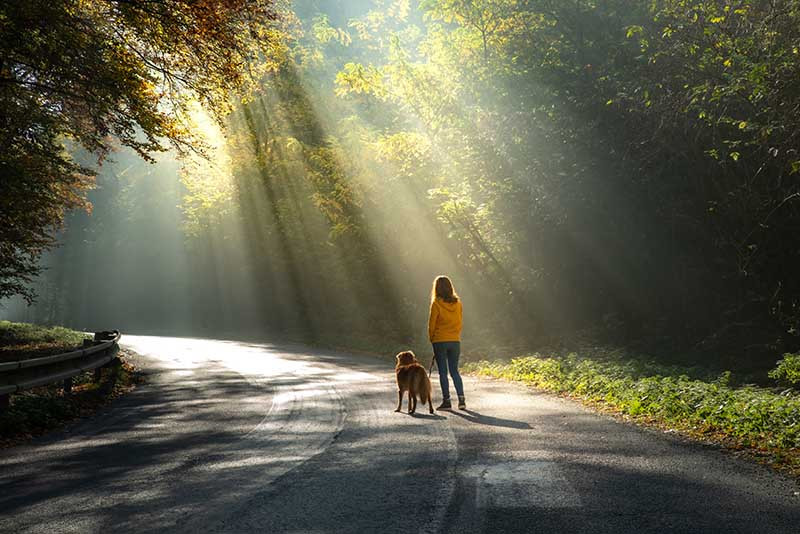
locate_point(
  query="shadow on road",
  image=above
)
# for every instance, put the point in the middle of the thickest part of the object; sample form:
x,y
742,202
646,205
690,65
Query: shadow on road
x,y
194,451
475,417
433,416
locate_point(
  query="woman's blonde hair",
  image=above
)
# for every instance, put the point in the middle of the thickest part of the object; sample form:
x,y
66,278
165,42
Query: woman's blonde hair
x,y
443,289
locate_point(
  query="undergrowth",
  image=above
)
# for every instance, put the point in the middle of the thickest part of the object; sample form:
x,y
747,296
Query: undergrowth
x,y
43,409
787,370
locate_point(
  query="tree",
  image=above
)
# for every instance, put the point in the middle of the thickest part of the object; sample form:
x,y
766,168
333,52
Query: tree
x,y
99,73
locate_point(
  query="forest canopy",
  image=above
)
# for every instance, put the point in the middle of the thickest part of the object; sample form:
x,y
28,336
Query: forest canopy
x,y
626,169
92,75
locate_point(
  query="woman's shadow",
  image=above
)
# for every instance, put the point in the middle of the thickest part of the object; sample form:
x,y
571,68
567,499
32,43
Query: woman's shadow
x,y
475,417
426,415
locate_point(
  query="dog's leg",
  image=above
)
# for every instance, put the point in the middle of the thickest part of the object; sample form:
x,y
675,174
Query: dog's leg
x,y
430,401
412,398
399,400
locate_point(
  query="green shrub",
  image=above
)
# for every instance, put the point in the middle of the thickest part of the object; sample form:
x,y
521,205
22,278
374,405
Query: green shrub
x,y
788,369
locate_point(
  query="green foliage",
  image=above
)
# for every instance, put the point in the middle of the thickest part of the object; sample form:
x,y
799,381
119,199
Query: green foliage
x,y
555,120
324,32
744,416
356,78
100,74
787,370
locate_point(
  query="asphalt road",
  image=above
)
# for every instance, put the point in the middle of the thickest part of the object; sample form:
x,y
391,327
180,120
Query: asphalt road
x,y
239,437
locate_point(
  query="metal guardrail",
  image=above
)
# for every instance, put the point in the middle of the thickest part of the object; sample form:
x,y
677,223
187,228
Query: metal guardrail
x,y
25,374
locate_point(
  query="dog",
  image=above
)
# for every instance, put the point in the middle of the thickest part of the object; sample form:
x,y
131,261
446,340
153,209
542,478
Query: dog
x,y
411,377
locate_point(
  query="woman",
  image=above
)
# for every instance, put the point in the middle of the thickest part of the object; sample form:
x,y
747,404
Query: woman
x,y
444,331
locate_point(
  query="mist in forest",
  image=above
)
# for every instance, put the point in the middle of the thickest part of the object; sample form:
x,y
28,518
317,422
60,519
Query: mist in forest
x,y
574,183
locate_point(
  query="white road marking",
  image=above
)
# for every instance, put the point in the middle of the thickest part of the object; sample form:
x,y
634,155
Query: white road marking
x,y
523,484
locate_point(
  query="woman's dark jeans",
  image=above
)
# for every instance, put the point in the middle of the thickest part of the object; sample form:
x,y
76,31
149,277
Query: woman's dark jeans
x,y
447,353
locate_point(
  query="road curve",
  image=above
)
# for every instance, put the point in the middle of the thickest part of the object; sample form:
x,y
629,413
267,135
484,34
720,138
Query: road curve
x,y
249,437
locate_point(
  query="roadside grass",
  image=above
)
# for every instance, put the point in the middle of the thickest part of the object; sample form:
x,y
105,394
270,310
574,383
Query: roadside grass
x,y
40,410
761,421
22,340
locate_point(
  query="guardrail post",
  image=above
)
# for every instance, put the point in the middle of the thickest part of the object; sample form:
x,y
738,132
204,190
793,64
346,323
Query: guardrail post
x,y
5,402
67,386
98,374
116,367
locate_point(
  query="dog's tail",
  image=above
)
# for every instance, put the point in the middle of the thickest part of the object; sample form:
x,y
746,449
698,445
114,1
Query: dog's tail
x,y
425,389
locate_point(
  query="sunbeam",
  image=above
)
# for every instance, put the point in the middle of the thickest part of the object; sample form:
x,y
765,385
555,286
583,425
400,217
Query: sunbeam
x,y
373,145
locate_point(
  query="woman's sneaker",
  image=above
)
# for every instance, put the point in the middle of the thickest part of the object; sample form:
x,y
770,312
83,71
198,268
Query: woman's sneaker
x,y
462,404
445,405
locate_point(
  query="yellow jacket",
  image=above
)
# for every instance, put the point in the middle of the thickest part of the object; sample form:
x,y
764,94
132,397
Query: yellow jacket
x,y
444,323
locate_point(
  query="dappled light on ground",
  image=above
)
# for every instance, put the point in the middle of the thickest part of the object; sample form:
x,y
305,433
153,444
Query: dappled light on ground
x,y
252,437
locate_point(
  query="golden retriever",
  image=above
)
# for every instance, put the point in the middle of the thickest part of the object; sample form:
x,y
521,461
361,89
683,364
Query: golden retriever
x,y
411,377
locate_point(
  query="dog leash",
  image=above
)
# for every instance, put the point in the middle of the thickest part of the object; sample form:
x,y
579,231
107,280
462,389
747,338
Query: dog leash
x,y
430,370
